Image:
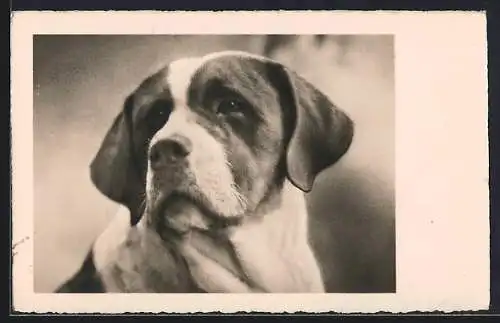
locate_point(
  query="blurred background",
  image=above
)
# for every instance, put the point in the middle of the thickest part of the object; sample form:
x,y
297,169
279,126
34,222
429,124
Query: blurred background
x,y
80,82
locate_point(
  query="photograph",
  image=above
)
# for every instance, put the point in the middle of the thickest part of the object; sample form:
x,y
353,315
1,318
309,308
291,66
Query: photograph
x,y
235,141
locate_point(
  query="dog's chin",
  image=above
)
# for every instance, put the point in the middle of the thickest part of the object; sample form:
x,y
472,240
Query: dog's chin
x,y
179,213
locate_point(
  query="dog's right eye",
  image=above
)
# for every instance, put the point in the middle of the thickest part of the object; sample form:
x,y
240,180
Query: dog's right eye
x,y
158,115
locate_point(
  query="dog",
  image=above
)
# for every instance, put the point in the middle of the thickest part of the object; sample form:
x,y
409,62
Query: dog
x,y
210,159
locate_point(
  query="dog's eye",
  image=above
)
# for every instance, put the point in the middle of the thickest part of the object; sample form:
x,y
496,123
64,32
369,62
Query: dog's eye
x,y
230,107
158,115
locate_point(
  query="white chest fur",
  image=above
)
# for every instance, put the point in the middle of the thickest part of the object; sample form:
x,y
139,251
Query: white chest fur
x,y
111,239
272,250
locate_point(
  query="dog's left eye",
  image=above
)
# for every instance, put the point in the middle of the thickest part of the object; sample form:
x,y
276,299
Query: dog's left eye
x,y
231,107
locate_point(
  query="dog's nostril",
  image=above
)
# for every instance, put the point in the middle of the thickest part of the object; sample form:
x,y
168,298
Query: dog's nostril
x,y
179,150
182,146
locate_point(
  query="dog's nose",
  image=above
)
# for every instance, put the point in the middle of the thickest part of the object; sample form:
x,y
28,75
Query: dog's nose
x,y
166,151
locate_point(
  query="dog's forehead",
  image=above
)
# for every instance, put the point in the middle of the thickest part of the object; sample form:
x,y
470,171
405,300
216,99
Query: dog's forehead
x,y
233,67
172,83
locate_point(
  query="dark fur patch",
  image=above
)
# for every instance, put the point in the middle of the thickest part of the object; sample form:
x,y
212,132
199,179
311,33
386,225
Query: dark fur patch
x,y
119,168
255,140
150,105
86,280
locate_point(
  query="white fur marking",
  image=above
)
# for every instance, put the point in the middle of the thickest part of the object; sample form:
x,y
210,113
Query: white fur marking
x,y
180,72
274,250
179,77
113,236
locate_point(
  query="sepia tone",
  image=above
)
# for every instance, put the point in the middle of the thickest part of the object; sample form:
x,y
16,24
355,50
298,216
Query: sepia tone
x,y
80,83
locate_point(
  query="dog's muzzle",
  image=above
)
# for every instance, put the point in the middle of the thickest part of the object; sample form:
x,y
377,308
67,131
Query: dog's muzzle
x,y
176,205
169,177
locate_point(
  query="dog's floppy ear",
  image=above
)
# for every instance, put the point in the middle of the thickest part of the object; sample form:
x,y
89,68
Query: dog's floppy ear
x,y
112,170
321,136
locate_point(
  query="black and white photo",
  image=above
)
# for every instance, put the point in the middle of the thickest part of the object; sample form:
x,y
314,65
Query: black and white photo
x,y
271,162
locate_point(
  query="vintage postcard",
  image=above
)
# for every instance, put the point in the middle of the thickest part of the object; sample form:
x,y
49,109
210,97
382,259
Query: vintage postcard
x,y
249,162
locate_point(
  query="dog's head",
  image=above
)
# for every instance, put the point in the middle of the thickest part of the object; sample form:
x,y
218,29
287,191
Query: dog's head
x,y
223,131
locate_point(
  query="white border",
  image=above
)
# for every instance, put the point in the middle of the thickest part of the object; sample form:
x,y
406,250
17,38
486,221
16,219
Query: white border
x,y
441,153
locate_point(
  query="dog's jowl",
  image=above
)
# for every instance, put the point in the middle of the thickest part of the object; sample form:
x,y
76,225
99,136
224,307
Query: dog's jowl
x,y
210,158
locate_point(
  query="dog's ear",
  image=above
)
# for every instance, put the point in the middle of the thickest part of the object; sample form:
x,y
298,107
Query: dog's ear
x,y
112,170
321,135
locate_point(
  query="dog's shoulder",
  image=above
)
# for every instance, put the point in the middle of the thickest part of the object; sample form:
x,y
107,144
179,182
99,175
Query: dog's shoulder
x,y
88,278
112,238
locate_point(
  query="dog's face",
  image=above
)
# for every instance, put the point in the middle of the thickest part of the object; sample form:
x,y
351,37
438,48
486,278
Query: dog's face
x,y
221,136
222,132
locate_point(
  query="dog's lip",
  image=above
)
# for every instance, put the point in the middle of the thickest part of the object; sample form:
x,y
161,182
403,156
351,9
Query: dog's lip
x,y
176,196
216,221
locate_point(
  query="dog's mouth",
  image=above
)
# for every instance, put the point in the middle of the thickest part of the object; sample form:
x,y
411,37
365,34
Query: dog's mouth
x,y
177,200
181,212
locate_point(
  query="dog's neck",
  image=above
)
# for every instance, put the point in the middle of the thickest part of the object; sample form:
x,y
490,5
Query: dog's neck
x,y
281,222
268,252
273,248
